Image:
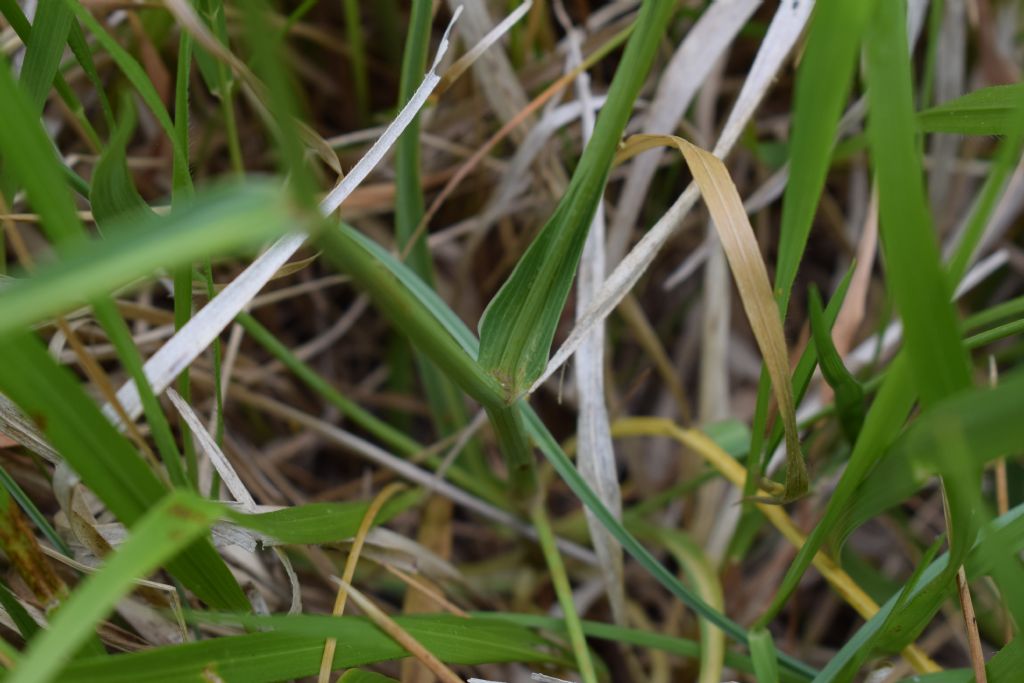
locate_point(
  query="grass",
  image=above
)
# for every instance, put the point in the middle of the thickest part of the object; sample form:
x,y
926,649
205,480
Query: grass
x,y
181,162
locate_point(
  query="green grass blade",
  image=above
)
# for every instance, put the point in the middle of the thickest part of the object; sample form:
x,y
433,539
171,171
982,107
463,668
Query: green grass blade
x,y
984,419
269,63
822,88
519,324
1002,538
362,676
987,111
764,656
113,192
849,395
45,49
447,406
320,523
294,647
220,221
914,274
357,56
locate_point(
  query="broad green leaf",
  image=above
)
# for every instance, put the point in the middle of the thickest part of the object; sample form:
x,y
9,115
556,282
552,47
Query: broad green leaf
x,y
764,656
849,395
219,221
519,323
113,191
294,646
173,523
105,460
913,270
988,111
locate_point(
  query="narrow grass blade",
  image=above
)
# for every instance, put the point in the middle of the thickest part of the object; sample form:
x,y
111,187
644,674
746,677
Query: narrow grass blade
x,y
363,676
849,395
219,221
166,530
45,49
988,111
913,269
318,523
292,648
764,656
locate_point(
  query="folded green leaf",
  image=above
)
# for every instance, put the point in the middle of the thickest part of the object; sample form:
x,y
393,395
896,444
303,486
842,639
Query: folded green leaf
x,y
113,191
519,324
763,654
848,391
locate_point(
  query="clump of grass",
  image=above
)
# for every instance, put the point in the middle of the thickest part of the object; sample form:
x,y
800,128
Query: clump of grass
x,y
336,428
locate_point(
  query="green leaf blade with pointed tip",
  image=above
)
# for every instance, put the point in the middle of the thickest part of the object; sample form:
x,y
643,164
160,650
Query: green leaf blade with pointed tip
x,y
519,324
987,111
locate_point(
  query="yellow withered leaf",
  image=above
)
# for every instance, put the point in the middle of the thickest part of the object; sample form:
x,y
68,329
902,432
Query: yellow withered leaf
x,y
748,270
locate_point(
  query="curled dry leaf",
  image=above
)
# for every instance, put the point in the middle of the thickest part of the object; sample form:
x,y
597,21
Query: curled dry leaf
x,y
751,276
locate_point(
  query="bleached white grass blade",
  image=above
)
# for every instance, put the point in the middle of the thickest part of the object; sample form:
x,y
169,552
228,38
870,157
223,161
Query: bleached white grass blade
x,y
788,23
234,485
227,472
489,39
595,450
684,74
196,335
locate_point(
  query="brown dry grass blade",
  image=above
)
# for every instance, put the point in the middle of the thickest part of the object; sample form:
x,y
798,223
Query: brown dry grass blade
x,y
748,270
